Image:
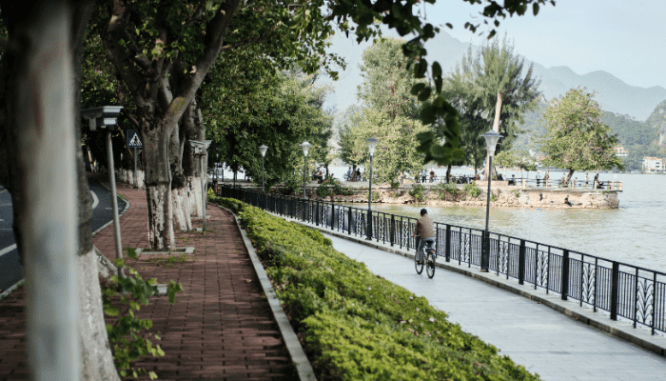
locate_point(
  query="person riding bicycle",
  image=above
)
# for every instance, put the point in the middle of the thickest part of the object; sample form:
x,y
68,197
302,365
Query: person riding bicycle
x,y
424,228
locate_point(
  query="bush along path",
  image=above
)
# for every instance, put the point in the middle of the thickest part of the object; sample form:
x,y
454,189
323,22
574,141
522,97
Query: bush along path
x,y
355,325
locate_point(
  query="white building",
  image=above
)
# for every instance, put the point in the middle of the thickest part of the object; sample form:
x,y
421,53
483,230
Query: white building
x,y
620,151
652,165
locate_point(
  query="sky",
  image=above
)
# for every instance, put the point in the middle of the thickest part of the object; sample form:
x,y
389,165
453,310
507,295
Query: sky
x,y
623,37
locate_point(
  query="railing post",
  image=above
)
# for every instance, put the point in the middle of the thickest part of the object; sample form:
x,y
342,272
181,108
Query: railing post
x,y
317,213
615,280
349,222
392,231
565,274
521,262
447,252
369,226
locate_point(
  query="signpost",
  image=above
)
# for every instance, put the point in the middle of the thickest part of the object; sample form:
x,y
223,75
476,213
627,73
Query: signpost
x,y
133,141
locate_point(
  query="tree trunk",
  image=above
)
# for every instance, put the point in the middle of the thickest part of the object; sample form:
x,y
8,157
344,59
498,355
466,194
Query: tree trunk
x,y
194,130
448,174
496,128
24,69
158,190
571,172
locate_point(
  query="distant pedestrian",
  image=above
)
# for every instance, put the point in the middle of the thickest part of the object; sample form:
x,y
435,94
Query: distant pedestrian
x,y
432,175
587,179
358,174
566,201
349,174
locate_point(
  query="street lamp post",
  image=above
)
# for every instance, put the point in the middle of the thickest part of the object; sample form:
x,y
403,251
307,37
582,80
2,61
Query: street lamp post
x,y
200,150
263,148
105,118
306,147
491,138
372,143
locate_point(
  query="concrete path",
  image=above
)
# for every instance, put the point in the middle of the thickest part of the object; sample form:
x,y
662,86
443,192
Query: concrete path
x,y
544,341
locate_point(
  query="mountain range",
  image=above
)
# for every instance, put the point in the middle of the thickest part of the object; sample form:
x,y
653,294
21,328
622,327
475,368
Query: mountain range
x,y
612,93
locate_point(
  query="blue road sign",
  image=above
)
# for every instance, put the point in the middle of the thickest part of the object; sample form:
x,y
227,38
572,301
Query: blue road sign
x,y
133,140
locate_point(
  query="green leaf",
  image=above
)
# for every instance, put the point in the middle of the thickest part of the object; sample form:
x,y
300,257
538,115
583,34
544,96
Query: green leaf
x,y
416,89
436,70
111,310
421,68
425,94
131,253
535,8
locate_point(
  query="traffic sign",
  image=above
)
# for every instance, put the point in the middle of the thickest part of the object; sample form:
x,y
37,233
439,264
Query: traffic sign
x,y
133,140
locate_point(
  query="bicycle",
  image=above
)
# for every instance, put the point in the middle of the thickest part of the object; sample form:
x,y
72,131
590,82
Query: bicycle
x,y
430,257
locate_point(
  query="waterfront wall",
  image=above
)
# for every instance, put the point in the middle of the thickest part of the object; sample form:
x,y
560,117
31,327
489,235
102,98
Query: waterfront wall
x,y
505,196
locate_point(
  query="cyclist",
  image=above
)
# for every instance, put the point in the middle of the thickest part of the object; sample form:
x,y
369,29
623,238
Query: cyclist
x,y
424,228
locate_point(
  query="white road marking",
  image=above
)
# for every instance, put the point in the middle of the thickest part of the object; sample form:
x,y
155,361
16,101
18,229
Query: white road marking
x,y
95,199
7,249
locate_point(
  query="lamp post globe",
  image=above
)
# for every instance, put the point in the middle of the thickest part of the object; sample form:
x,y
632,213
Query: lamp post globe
x,y
372,144
263,148
492,138
306,148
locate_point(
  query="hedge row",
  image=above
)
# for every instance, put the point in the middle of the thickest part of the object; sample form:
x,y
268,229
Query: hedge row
x,y
358,326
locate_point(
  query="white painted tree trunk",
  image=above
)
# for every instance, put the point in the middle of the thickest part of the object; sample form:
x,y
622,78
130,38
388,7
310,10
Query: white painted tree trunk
x,y
181,209
160,234
194,184
97,363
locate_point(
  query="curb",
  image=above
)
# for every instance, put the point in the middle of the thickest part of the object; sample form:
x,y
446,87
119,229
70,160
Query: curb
x,y
622,330
296,352
18,284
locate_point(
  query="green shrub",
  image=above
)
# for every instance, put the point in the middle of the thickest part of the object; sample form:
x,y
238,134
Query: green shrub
x,y
417,192
445,189
341,190
355,325
323,191
516,193
128,343
472,190
493,197
394,185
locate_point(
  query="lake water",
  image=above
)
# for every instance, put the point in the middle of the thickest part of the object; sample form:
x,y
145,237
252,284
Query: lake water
x,y
633,233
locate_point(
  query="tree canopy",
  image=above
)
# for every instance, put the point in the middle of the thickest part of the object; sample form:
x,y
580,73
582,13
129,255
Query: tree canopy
x,y
576,139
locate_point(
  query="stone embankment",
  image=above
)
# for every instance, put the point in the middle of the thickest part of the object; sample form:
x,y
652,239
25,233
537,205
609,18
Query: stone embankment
x,y
504,196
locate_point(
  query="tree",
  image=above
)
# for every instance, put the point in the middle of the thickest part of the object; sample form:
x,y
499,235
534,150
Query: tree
x,y
506,89
389,113
280,110
47,63
576,139
396,150
387,80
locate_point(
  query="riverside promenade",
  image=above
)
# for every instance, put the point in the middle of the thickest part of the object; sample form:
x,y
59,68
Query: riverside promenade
x,y
541,339
221,326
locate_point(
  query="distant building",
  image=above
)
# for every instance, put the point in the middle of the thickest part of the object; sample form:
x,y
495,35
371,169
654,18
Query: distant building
x,y
652,165
620,151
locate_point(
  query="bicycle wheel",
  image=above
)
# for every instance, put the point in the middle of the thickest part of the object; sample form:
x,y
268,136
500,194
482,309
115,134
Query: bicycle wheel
x,y
430,264
419,266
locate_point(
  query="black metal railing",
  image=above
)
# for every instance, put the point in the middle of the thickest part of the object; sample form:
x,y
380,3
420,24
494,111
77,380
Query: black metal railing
x,y
624,291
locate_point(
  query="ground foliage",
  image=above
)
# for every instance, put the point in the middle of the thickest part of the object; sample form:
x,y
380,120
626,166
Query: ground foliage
x,y
356,325
129,336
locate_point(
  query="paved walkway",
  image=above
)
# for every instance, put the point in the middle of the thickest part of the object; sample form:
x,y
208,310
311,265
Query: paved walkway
x,y
535,336
221,326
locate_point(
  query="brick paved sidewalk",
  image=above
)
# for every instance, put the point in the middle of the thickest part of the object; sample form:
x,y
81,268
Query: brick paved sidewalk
x,y
221,326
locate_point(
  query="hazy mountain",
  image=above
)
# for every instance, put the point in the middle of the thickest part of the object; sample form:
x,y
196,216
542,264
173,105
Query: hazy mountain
x,y
612,93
